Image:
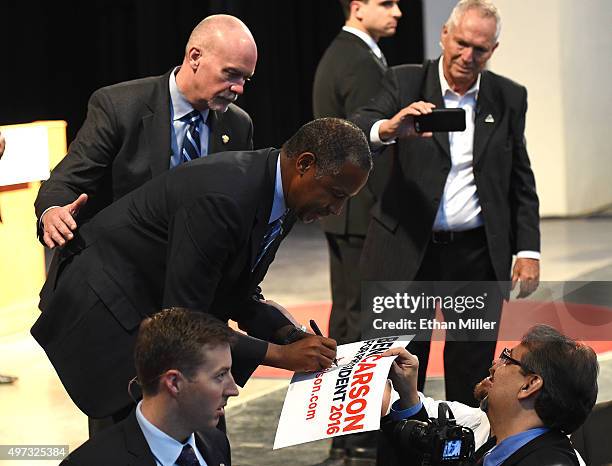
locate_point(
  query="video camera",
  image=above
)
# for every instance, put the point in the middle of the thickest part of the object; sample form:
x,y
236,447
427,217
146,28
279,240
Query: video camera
x,y
441,441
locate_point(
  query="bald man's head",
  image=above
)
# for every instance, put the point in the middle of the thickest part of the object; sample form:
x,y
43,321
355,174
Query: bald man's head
x,y
220,57
217,29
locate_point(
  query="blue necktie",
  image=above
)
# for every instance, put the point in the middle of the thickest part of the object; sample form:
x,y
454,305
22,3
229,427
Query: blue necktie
x,y
191,143
275,229
187,457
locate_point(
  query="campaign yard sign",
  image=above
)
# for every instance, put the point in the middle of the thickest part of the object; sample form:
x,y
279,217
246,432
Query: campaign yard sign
x,y
339,400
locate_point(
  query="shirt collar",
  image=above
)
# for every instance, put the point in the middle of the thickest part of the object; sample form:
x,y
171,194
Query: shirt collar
x,y
444,87
180,105
165,449
507,447
364,36
278,204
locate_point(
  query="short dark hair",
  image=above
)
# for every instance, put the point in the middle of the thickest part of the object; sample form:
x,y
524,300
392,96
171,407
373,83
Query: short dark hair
x,y
346,7
173,339
569,372
333,141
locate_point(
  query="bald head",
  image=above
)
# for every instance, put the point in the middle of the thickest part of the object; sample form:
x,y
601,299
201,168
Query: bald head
x,y
218,29
219,58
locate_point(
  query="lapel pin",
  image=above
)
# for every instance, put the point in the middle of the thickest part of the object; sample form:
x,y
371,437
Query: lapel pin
x,y
489,119
225,138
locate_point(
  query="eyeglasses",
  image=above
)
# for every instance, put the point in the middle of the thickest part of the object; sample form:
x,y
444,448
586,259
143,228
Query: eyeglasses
x,y
506,356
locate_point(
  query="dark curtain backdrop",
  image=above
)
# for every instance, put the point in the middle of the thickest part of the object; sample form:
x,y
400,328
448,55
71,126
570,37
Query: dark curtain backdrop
x,y
53,55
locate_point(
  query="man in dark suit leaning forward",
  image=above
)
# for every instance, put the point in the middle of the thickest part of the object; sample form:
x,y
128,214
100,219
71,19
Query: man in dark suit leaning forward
x,y
139,129
183,364
457,205
202,237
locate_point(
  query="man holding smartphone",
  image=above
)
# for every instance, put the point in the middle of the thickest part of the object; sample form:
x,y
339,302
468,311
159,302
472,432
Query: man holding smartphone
x,y
457,205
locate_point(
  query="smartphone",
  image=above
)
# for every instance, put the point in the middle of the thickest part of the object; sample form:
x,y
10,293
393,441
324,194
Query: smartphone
x,y
440,119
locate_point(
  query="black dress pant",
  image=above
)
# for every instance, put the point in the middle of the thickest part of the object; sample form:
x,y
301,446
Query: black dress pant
x,y
344,256
345,317
461,258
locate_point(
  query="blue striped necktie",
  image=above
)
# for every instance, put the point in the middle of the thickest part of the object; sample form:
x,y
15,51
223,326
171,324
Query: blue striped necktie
x,y
191,142
275,229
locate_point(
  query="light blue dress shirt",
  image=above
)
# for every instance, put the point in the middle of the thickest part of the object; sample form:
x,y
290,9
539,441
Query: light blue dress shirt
x,y
164,448
503,450
179,108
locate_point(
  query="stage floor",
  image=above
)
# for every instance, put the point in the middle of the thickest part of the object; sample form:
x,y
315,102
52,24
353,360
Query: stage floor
x,y
36,409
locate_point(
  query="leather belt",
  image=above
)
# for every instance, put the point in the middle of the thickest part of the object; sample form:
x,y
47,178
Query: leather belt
x,y
447,237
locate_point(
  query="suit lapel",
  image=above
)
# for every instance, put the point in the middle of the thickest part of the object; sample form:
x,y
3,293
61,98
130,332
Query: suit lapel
x,y
359,42
219,133
157,127
136,444
208,451
262,267
488,117
260,225
433,93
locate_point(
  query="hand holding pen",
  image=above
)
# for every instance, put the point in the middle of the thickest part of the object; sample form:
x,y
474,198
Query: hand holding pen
x,y
315,328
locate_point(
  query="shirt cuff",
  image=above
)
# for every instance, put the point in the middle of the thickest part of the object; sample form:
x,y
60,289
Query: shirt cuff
x,y
399,414
40,222
375,140
528,255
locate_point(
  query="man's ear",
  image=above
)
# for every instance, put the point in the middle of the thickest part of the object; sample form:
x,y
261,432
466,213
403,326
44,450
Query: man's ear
x,y
171,382
355,7
304,162
532,385
494,47
194,54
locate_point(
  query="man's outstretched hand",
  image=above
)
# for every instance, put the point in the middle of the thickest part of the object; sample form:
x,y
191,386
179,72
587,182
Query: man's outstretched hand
x,y
58,222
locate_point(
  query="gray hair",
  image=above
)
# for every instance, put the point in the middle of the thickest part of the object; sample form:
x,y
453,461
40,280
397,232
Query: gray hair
x,y
486,8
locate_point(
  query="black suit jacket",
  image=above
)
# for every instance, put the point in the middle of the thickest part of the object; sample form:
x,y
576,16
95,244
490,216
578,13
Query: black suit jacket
x,y
549,449
348,75
125,445
125,141
187,238
592,439
403,218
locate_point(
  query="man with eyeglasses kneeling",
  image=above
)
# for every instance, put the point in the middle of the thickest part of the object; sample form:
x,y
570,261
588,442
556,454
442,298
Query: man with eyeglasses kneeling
x,y
183,364
537,394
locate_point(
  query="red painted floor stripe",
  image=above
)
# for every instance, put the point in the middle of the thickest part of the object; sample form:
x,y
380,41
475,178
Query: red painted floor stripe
x,y
319,311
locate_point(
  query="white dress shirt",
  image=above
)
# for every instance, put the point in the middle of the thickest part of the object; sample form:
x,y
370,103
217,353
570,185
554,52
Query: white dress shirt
x,y
459,208
366,38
